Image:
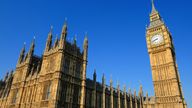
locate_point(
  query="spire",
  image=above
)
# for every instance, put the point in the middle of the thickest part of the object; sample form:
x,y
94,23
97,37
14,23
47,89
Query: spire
x,y
129,91
125,97
56,41
155,18
85,48
111,82
11,73
153,8
141,90
63,35
94,75
147,97
32,47
124,88
6,76
49,40
75,40
118,86
22,54
103,79
135,94
51,31
85,40
23,49
64,30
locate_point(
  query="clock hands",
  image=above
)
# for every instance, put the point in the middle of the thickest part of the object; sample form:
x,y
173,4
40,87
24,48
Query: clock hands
x,y
155,40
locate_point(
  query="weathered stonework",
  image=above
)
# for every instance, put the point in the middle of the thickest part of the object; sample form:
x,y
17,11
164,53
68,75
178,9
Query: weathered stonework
x,y
58,78
166,79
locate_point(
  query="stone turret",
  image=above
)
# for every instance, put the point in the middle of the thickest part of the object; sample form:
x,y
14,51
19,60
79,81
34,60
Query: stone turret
x,y
22,54
31,51
83,88
141,96
94,90
49,40
56,43
135,97
85,48
131,98
63,36
125,97
111,96
103,91
95,76
6,76
118,95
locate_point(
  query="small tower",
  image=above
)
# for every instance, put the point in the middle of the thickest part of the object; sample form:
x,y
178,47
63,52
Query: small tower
x,y
131,98
94,76
111,96
93,102
135,96
49,40
141,96
125,96
56,42
103,91
22,54
85,48
103,80
31,51
83,89
147,98
119,95
6,76
63,35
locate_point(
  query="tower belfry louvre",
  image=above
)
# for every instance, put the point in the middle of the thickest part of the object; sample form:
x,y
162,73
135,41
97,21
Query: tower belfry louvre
x,y
58,79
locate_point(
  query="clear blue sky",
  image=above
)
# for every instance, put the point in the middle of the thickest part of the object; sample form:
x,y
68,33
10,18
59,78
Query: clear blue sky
x,y
116,30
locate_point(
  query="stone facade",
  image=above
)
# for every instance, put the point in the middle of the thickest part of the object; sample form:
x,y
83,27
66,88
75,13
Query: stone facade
x,y
166,79
58,78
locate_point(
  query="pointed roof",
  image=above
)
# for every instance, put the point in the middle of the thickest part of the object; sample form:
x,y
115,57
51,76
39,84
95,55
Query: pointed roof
x,y
23,49
155,18
32,46
124,88
103,77
64,29
85,40
153,8
51,31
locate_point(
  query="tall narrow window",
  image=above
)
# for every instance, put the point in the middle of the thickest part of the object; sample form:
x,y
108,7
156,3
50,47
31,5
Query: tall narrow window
x,y
46,91
66,65
15,96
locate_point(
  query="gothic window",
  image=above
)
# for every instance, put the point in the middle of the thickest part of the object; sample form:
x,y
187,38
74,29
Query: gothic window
x,y
98,100
76,94
66,65
78,68
46,91
107,101
15,96
64,91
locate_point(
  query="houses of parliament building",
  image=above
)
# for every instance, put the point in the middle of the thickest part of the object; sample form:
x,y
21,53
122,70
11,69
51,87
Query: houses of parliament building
x,y
58,78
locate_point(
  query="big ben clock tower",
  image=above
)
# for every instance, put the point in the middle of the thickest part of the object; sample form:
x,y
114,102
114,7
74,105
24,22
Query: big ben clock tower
x,y
166,81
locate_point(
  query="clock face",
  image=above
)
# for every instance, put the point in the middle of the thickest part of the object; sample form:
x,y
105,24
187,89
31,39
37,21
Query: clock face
x,y
156,39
